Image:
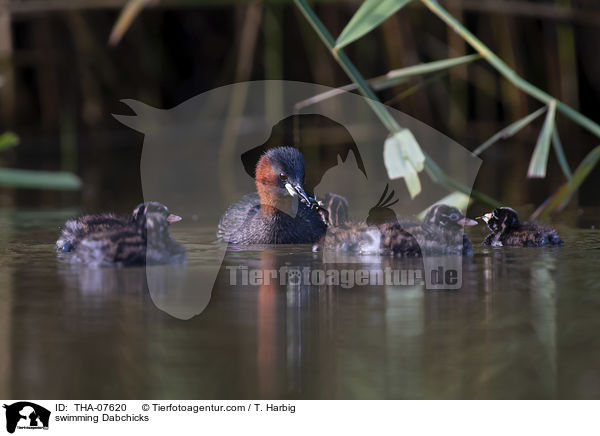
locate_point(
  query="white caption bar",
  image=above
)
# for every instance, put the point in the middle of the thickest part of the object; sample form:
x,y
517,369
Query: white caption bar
x,y
250,417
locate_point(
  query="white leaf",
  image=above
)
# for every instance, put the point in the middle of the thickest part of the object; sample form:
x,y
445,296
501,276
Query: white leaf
x,y
404,158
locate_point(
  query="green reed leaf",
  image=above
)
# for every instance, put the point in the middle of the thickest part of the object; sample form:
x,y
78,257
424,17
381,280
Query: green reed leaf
x,y
560,154
510,130
562,196
539,159
39,179
392,78
370,14
427,67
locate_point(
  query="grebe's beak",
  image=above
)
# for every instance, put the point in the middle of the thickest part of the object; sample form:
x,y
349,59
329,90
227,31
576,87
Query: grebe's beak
x,y
298,191
173,218
486,217
466,222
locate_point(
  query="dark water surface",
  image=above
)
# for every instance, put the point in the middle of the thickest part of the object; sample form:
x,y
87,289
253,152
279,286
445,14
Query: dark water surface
x,y
526,324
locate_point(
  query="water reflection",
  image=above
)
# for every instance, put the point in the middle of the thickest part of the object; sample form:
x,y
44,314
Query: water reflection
x,y
524,325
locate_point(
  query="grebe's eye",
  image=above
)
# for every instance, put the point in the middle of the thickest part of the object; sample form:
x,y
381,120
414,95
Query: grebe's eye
x,y
282,177
453,216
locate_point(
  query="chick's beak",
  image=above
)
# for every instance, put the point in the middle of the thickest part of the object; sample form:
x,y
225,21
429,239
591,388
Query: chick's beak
x,y
298,191
486,217
173,218
466,222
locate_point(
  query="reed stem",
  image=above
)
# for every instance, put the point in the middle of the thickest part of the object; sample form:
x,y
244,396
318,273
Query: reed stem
x,y
432,169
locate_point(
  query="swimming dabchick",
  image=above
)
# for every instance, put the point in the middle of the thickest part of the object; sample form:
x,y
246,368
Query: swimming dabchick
x,y
443,231
106,240
282,212
440,233
75,229
507,230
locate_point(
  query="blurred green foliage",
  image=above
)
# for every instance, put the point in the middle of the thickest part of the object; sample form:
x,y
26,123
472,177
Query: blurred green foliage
x,y
34,179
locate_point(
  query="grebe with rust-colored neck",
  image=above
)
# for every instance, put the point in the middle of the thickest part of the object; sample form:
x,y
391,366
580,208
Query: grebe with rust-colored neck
x,y
280,212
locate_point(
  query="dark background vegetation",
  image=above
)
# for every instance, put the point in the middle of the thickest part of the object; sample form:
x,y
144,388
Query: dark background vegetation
x,y
62,80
